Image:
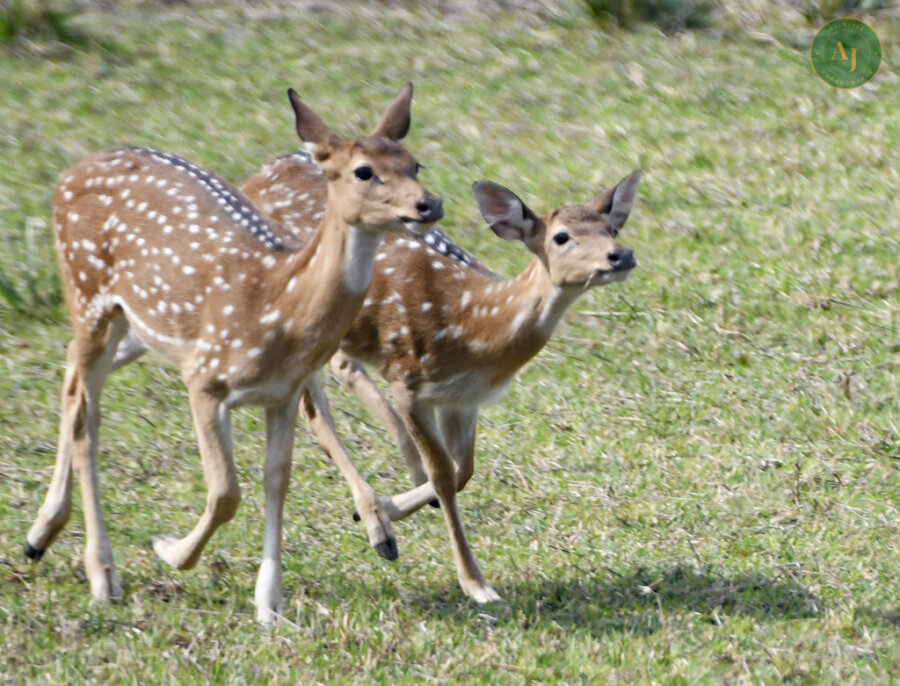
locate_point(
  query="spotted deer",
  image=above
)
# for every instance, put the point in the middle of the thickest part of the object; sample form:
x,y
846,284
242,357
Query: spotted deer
x,y
153,246
448,334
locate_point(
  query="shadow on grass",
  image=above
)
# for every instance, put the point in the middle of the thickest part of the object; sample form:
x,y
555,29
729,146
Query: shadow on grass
x,y
638,601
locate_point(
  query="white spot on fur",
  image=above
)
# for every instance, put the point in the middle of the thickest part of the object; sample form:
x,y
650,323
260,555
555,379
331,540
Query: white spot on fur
x,y
518,321
270,318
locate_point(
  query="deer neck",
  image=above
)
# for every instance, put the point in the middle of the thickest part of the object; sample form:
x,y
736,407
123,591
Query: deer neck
x,y
326,282
515,318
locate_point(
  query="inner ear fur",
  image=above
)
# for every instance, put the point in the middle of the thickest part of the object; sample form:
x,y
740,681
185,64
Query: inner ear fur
x,y
505,212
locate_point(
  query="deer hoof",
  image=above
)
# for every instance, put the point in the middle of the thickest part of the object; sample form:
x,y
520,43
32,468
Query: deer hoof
x,y
388,549
33,553
483,594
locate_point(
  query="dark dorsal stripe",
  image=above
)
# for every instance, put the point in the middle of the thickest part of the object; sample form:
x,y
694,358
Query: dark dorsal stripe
x,y
301,155
438,241
232,202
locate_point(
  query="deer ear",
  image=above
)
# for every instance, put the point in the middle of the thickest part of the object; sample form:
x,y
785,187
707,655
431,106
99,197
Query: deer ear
x,y
394,123
504,211
617,201
310,127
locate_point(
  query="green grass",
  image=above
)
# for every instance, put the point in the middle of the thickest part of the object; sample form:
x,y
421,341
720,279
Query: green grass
x,y
695,483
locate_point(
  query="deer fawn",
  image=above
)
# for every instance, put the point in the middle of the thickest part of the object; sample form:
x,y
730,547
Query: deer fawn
x,y
446,333
152,243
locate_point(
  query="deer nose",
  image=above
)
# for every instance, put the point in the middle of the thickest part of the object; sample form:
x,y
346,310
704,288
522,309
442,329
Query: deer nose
x,y
430,208
621,258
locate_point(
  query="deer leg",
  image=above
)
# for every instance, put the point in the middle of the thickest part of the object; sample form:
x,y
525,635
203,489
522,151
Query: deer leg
x,y
98,559
458,427
54,513
353,376
403,505
458,434
130,348
89,363
315,408
213,427
280,423
442,474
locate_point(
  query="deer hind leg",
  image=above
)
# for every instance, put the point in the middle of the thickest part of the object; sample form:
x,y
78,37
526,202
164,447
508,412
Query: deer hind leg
x,y
442,474
353,376
213,428
458,431
315,408
458,435
130,348
89,363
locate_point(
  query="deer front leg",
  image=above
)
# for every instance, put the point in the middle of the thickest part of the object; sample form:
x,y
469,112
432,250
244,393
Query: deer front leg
x,y
213,427
280,422
315,408
442,475
353,376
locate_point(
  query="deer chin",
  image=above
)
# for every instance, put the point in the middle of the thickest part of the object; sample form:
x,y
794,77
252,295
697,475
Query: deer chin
x,y
601,277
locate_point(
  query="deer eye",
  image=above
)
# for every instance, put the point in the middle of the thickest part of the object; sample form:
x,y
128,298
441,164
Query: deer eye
x,y
363,173
561,237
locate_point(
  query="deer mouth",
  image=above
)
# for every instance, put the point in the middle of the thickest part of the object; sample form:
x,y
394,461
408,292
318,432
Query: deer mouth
x,y
601,277
418,225
429,211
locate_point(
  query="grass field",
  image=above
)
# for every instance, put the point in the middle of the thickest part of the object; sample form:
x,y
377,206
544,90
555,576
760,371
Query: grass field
x,y
696,482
